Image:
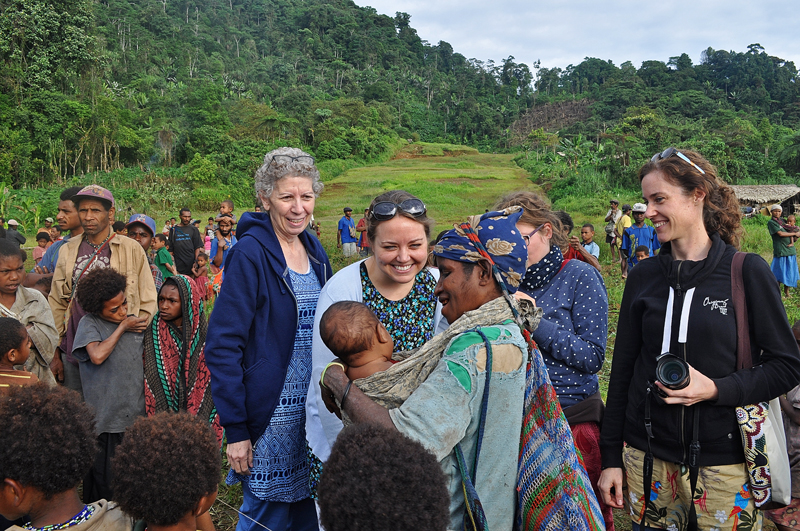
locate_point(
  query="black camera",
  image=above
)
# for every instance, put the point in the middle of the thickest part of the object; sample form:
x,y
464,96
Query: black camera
x,y
672,371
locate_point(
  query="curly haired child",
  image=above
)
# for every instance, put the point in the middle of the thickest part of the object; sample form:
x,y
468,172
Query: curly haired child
x,y
108,344
15,347
47,444
166,471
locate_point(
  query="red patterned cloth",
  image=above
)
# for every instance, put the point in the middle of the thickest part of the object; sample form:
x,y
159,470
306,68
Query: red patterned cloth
x,y
587,440
176,377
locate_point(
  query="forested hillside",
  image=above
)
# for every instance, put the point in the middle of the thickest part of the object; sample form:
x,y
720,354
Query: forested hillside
x,y
196,91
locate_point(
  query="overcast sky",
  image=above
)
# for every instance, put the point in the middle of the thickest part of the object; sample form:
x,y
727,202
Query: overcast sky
x,y
563,32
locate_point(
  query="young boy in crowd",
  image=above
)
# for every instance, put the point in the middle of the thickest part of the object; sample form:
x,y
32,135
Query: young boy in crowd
x,y
42,241
642,252
200,275
357,337
587,237
166,471
109,346
15,347
46,445
226,210
161,257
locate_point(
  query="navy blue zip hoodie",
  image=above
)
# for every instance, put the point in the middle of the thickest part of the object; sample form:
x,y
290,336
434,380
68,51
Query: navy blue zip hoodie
x,y
251,331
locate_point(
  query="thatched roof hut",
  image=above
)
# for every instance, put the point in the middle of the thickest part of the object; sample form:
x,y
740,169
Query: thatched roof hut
x,y
765,195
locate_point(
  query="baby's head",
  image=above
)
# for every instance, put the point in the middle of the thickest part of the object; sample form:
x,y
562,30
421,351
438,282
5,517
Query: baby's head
x,y
642,252
15,345
47,445
166,468
101,292
354,334
791,220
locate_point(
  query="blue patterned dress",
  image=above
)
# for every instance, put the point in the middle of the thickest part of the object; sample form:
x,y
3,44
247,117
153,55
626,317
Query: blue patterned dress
x,y
280,469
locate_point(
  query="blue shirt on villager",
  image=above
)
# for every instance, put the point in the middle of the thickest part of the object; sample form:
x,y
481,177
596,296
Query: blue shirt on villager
x,y
573,331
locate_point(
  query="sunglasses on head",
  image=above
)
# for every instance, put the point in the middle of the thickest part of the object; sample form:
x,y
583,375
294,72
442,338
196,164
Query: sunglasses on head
x,y
288,159
670,151
386,210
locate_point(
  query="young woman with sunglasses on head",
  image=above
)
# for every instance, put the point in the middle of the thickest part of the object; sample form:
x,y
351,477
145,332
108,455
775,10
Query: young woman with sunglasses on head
x,y
396,285
681,302
574,327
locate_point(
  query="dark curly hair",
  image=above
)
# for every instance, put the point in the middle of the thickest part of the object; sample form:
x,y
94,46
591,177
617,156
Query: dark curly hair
x,y
721,212
12,334
47,440
99,286
377,478
347,328
164,465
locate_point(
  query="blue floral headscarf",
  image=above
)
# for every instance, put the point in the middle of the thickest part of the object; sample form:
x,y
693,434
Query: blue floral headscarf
x,y
493,237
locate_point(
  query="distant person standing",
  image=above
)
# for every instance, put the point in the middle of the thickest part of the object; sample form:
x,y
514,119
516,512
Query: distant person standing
x,y
638,235
346,234
612,217
13,233
784,261
619,229
185,243
363,241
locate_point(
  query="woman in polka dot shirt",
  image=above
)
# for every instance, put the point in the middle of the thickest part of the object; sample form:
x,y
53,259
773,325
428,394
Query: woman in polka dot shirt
x,y
573,331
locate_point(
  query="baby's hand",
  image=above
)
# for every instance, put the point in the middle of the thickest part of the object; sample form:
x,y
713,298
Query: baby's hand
x,y
134,324
520,296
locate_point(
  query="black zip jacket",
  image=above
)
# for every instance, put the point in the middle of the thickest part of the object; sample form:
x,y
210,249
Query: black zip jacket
x,y
710,348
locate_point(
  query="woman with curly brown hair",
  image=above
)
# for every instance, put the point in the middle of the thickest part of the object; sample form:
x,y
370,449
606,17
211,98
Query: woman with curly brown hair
x,y
679,447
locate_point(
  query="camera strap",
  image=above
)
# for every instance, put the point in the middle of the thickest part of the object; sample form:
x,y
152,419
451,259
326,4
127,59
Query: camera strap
x,y
694,449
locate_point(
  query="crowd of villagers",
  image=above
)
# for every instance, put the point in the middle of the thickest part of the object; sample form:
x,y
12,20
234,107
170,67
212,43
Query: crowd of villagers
x,y
439,383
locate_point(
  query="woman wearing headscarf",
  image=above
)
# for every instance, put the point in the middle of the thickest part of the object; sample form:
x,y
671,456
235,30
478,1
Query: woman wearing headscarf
x,y
176,377
480,263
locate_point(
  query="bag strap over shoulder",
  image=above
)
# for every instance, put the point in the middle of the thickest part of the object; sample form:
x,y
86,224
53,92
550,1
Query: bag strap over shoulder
x,y
744,358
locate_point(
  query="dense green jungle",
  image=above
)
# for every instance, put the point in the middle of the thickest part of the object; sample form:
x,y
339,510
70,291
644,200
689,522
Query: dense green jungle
x,y
175,102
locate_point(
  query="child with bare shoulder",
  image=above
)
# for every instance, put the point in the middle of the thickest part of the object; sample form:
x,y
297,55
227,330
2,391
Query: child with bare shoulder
x,y
15,347
353,333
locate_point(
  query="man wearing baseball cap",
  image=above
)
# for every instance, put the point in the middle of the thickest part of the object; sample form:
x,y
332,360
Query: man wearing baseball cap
x,y
636,235
98,246
142,229
48,222
13,233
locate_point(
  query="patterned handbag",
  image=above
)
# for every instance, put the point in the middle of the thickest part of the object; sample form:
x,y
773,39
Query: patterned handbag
x,y
761,424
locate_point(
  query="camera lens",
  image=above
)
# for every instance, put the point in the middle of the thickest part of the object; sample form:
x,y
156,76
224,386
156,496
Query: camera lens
x,y
672,371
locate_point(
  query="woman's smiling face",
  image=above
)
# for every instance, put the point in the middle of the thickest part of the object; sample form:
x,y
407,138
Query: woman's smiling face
x,y
674,213
401,250
290,206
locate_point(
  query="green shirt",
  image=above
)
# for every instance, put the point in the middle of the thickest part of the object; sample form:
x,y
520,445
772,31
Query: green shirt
x,y
162,258
780,246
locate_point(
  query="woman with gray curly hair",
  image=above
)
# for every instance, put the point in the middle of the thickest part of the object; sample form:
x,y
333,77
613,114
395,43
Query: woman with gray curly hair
x,y
259,369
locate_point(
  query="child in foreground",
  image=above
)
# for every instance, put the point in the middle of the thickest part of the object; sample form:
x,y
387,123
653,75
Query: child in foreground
x,y
47,444
166,471
15,347
108,344
353,333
